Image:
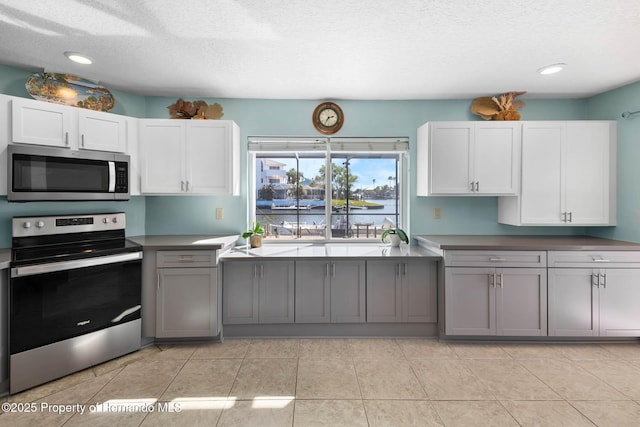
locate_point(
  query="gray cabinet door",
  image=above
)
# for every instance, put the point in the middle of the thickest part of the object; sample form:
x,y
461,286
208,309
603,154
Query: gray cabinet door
x,y
521,301
186,302
239,293
276,291
384,291
573,302
619,302
470,297
313,292
419,291
348,291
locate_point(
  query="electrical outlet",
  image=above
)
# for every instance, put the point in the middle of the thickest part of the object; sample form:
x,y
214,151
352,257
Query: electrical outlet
x,y
436,213
219,213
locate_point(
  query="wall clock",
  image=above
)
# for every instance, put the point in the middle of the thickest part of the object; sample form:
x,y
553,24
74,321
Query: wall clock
x,y
328,118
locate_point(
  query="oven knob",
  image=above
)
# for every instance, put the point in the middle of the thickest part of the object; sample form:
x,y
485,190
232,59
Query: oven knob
x,y
114,220
105,220
26,224
40,224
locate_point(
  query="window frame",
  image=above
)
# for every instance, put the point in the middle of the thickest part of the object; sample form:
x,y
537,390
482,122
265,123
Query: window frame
x,y
331,146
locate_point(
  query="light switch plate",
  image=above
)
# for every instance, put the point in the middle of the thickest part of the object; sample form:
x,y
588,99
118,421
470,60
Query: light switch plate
x,y
219,213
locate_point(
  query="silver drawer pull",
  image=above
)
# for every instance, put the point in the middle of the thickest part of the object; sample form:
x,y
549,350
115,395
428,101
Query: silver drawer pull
x,y
600,260
496,259
186,258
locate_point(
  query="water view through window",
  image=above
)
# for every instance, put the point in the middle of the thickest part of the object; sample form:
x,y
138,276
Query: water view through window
x,y
302,196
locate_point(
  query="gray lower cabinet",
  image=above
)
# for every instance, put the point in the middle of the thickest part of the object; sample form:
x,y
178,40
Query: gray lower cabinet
x,y
401,291
594,302
330,291
594,293
186,302
313,292
495,301
186,294
258,292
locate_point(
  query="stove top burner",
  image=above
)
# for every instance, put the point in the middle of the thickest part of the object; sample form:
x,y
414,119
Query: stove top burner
x,y
63,238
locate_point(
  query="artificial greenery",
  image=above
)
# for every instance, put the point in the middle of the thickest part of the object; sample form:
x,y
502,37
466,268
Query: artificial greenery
x,y
400,232
256,228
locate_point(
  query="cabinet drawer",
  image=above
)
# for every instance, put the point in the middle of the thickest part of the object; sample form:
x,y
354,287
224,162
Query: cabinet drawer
x,y
187,258
495,259
594,259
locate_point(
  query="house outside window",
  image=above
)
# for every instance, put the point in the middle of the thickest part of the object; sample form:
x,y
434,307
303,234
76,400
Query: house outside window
x,y
328,189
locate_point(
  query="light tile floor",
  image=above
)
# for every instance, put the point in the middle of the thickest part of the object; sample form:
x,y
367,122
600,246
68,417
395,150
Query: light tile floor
x,y
345,382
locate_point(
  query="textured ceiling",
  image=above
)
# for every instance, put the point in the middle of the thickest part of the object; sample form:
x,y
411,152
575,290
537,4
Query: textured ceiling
x,y
340,49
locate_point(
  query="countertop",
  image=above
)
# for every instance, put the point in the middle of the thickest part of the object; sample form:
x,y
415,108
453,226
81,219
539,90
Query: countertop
x,y
328,250
5,258
186,241
523,243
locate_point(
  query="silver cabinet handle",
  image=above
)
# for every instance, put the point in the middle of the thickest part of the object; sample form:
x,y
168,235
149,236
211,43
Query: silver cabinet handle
x,y
472,186
492,280
404,269
66,138
333,270
327,271
158,280
187,185
501,280
495,259
255,270
82,140
181,185
570,216
594,280
477,185
602,282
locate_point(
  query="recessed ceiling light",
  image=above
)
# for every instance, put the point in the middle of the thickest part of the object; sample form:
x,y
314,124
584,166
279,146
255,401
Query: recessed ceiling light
x,y
552,69
79,58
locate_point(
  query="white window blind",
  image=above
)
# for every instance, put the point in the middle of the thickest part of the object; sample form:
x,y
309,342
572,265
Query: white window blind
x,y
355,145
275,145
352,145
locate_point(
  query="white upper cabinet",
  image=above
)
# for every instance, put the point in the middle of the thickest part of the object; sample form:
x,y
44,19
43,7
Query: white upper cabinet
x,y
468,158
189,157
102,131
213,157
568,175
162,164
44,123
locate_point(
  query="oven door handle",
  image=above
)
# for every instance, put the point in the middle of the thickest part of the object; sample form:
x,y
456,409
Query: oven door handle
x,y
30,270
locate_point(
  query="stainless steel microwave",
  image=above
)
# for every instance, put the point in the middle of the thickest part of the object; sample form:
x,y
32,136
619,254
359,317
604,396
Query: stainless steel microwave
x,y
37,173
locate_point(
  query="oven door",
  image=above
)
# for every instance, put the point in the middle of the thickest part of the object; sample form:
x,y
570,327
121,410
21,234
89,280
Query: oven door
x,y
55,301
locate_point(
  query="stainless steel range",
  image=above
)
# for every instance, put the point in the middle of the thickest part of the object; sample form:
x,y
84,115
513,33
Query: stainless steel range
x,y
74,295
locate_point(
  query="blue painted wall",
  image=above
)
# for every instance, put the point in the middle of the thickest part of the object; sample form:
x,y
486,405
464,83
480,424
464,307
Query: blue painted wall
x,y
610,106
259,117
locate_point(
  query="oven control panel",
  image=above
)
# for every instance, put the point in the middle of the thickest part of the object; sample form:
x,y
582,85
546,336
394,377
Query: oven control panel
x,y
65,224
